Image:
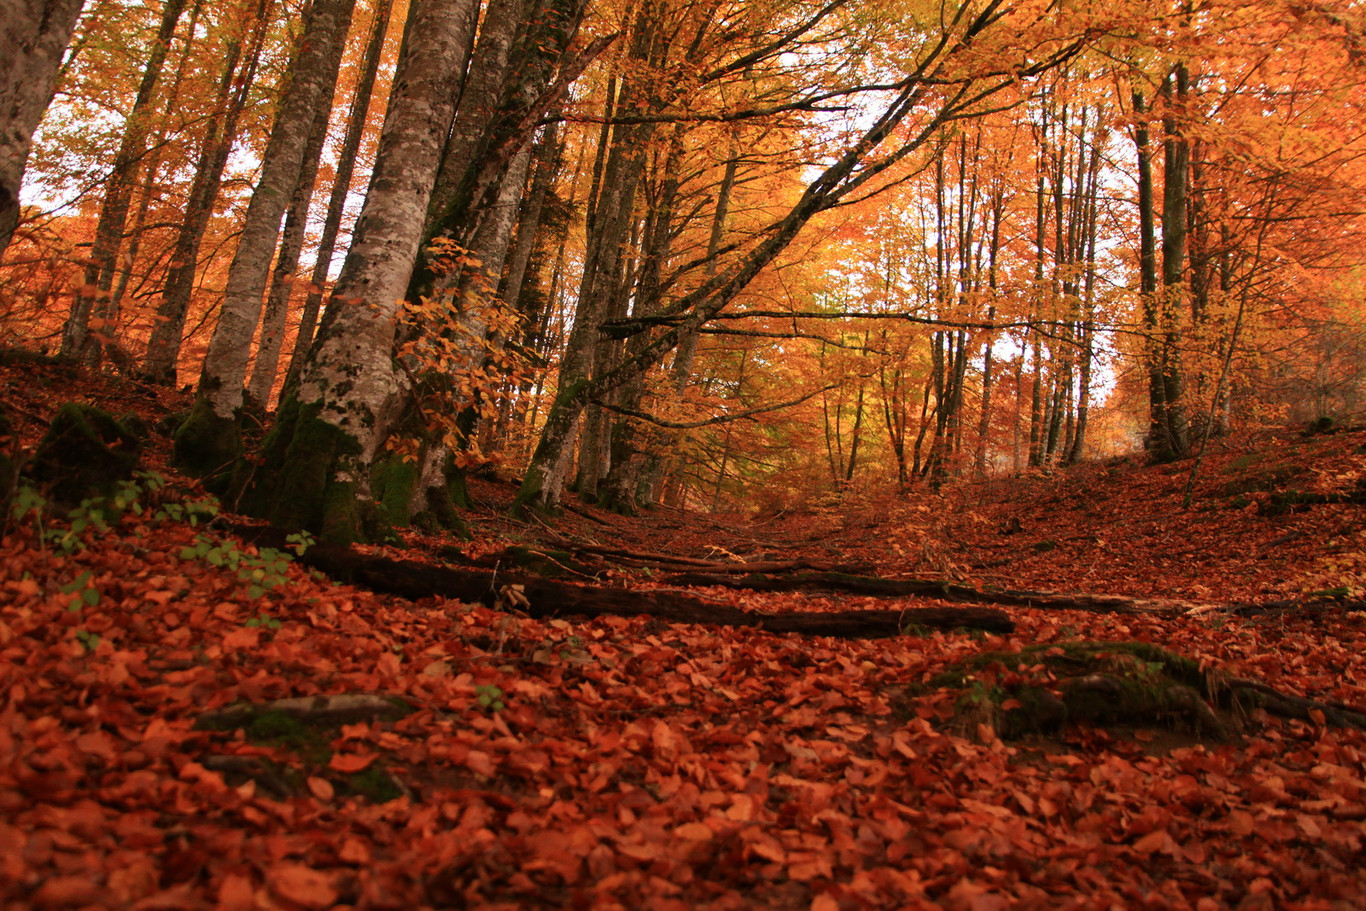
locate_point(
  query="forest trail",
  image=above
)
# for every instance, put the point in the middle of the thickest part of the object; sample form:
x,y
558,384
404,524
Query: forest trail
x,y
146,760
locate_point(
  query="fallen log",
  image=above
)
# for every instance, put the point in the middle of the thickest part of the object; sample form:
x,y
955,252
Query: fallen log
x,y
929,588
545,598
649,557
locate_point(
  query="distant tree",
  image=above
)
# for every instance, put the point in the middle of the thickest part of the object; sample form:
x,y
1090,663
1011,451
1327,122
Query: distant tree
x,y
241,62
95,298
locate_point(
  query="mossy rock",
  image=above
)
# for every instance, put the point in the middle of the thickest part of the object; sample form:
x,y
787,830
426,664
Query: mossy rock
x,y
303,729
1287,502
1258,481
1043,688
1322,425
85,453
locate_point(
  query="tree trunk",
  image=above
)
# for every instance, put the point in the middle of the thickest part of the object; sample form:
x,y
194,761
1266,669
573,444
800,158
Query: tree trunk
x,y
680,372
316,461
275,316
95,297
479,102
356,123
209,440
168,328
1176,180
34,37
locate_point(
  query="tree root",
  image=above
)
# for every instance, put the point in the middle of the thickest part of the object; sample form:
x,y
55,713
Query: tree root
x,y
543,598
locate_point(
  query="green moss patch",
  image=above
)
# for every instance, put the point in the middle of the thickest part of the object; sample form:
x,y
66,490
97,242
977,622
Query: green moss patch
x,y
302,732
85,453
1043,688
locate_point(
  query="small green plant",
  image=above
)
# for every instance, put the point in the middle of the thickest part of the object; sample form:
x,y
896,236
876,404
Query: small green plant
x,y
299,542
264,621
490,697
27,500
83,592
261,571
99,513
90,640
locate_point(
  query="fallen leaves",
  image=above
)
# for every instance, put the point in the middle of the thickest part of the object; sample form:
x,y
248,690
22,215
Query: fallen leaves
x,y
631,763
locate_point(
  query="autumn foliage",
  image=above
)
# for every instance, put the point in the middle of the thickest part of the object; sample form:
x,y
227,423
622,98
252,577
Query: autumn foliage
x,y
1014,347
625,761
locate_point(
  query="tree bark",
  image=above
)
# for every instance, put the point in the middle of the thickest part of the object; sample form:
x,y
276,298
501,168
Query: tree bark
x,y
168,328
356,123
317,458
33,37
210,440
95,297
274,318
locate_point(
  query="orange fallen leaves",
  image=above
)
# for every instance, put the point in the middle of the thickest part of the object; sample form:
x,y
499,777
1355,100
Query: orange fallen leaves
x,y
303,886
665,766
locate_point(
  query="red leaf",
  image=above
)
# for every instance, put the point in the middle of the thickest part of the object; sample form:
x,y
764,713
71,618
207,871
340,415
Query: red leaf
x,y
321,788
348,763
303,886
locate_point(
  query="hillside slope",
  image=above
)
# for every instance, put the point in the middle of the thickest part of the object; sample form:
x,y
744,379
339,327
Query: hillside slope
x,y
508,762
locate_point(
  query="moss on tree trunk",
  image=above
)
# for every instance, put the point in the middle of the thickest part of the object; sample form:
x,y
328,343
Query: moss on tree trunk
x,y
539,486
311,478
208,446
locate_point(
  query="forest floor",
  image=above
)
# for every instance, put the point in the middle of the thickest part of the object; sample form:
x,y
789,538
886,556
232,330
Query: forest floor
x,y
630,762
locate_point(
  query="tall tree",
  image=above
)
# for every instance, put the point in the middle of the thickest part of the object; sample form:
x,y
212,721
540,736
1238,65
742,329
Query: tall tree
x,y
938,88
33,38
241,63
317,457
345,169
210,438
95,298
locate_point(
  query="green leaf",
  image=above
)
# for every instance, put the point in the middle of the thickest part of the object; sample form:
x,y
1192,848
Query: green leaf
x,y
77,584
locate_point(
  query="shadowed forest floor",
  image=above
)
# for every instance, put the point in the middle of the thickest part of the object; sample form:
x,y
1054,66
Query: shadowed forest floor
x,y
145,761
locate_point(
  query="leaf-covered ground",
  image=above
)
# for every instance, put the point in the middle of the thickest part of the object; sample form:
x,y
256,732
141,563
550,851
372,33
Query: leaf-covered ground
x,y
630,763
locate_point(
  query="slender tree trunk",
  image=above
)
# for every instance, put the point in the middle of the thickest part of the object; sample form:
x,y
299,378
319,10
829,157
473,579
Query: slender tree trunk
x,y
168,328
480,97
1176,180
680,372
95,298
33,37
151,165
1166,433
283,277
356,123
209,440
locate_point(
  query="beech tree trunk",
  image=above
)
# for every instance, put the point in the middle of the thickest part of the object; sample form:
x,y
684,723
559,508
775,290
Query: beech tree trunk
x,y
33,36
95,297
168,328
316,461
1176,179
341,186
275,317
479,102
210,439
